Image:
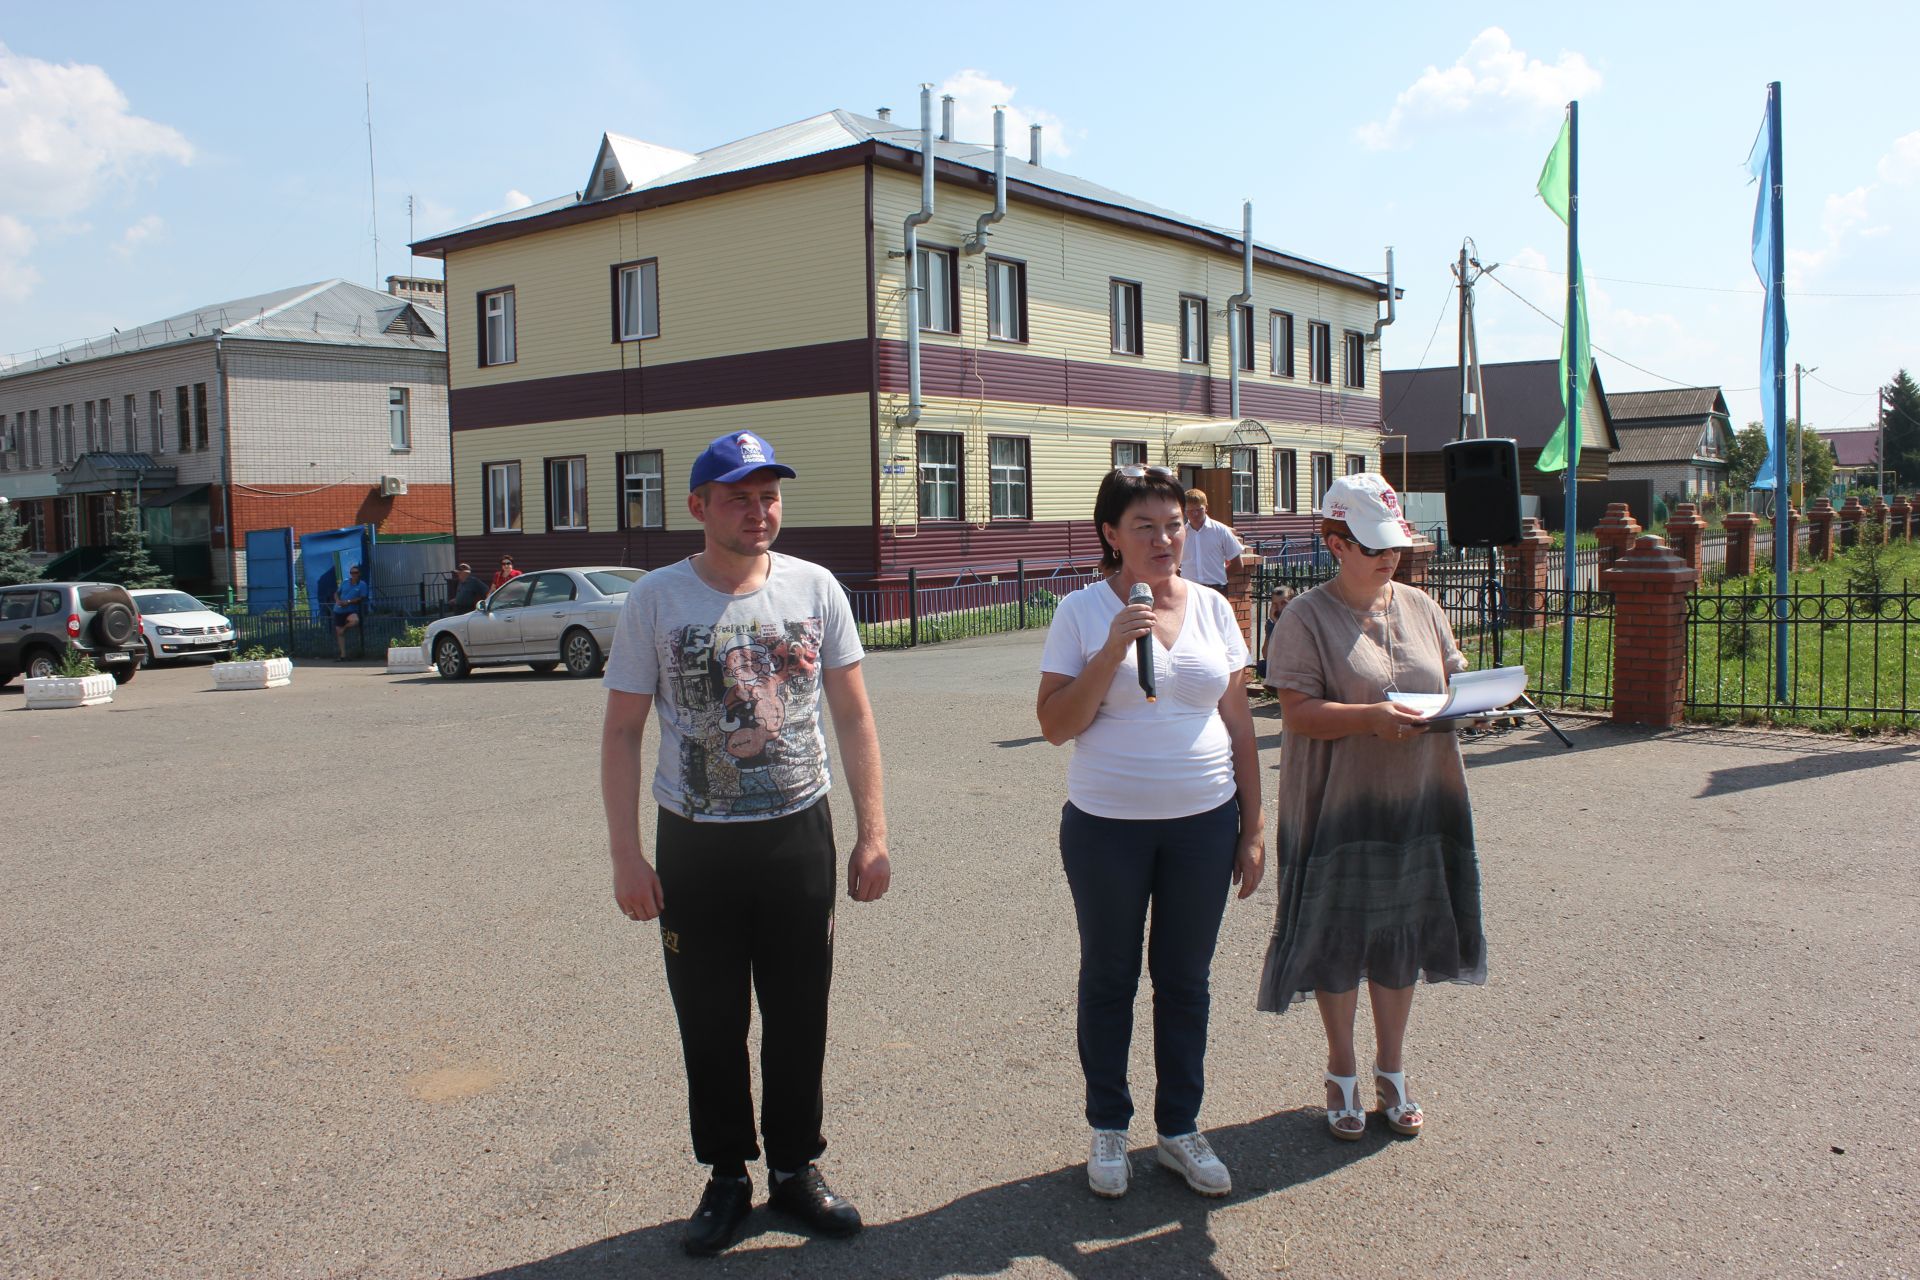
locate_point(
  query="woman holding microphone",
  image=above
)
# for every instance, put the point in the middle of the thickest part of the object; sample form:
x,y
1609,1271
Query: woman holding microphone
x,y
1378,878
1162,814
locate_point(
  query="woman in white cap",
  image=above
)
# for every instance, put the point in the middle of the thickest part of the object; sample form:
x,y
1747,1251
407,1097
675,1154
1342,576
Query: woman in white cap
x,y
1378,878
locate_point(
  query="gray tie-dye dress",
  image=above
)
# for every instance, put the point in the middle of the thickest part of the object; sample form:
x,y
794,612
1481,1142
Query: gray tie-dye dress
x,y
1378,878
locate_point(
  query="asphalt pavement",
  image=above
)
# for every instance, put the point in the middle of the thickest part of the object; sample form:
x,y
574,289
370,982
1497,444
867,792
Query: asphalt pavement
x,y
328,981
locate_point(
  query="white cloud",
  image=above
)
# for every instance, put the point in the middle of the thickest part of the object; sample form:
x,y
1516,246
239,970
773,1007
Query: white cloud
x,y
976,94
148,228
517,199
17,276
1900,167
1491,79
1862,213
66,136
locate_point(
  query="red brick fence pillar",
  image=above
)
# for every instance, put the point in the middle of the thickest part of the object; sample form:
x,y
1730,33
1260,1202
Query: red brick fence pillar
x,y
1852,517
1740,529
1820,530
1902,510
1649,586
1240,592
1616,532
1414,561
1793,538
1523,575
1684,531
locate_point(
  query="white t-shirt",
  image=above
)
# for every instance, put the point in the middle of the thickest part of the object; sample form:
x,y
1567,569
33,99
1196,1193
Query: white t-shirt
x,y
736,685
1204,559
1149,760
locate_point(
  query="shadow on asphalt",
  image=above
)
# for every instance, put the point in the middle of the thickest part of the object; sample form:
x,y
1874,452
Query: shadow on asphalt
x,y
1750,777
1160,1228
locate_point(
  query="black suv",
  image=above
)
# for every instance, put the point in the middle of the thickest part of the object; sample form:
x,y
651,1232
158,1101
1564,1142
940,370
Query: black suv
x,y
41,620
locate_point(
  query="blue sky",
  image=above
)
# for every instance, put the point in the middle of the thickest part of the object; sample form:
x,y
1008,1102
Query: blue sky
x,y
154,158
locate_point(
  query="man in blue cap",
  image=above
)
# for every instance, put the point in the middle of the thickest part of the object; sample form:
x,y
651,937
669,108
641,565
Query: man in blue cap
x,y
734,646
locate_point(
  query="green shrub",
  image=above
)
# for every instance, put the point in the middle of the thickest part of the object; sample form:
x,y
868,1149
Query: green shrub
x,y
413,636
74,663
259,653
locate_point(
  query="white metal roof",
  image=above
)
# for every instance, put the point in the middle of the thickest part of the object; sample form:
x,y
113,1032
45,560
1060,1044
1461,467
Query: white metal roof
x,y
1222,432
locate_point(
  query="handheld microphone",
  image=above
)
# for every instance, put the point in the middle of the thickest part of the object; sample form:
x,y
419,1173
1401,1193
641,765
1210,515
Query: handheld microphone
x,y
1143,647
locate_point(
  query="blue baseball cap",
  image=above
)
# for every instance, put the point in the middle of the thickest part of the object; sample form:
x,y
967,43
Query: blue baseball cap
x,y
733,458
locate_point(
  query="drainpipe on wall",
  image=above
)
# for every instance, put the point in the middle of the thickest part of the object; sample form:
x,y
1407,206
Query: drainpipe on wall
x,y
226,462
1381,322
978,240
916,220
1235,333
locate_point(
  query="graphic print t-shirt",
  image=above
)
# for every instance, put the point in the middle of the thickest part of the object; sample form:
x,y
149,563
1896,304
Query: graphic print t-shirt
x,y
736,686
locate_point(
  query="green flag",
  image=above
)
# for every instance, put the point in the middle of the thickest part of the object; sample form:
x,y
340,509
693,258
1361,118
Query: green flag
x,y
1556,188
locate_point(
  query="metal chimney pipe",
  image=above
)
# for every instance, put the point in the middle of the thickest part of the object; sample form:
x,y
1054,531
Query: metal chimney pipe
x,y
885,113
1236,332
1381,322
1034,138
946,117
978,240
915,220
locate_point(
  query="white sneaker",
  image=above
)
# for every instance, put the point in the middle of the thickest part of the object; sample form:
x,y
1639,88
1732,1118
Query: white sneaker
x,y
1191,1157
1107,1164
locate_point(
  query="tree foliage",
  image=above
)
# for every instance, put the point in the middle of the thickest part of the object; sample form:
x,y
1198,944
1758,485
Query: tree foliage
x,y
1749,450
131,565
14,564
1902,432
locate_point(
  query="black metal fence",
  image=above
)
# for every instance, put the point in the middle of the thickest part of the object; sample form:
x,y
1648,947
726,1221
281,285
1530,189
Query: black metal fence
x,y
981,601
301,631
1852,656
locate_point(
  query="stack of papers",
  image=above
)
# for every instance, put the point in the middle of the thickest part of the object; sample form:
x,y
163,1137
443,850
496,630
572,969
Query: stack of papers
x,y
1469,693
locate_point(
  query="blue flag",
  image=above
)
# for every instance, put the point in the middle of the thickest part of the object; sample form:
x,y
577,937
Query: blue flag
x,y
1773,328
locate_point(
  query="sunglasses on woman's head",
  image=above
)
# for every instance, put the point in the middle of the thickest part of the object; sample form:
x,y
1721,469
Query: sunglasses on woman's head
x,y
1136,471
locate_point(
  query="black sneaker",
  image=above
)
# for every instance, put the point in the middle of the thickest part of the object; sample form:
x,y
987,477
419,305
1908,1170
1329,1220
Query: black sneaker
x,y
723,1207
807,1197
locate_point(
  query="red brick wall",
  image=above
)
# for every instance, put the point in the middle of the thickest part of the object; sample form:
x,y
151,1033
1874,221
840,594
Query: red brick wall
x,y
424,508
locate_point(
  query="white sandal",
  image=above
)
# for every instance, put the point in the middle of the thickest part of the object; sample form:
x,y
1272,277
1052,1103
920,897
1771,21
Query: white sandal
x,y
1349,1085
1404,1117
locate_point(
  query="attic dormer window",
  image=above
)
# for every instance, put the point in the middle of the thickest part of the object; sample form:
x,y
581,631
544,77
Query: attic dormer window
x,y
609,181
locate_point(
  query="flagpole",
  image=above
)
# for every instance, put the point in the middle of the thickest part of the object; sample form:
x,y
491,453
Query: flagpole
x,y
1777,303
1570,556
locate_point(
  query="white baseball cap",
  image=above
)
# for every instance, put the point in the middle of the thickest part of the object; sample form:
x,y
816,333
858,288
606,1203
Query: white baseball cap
x,y
1370,507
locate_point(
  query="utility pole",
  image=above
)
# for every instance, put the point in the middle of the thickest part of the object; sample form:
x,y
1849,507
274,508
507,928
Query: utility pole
x,y
1881,449
1473,409
1800,441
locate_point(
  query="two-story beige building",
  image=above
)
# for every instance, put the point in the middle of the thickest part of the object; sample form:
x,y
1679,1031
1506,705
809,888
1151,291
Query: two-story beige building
x,y
598,341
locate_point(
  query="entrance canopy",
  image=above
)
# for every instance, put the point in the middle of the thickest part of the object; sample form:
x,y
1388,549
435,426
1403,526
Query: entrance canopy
x,y
1224,433
113,472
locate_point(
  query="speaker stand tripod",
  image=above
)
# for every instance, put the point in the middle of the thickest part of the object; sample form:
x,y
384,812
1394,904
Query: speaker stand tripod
x,y
1493,618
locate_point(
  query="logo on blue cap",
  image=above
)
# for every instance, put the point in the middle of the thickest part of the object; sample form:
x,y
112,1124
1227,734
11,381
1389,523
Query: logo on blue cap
x,y
733,458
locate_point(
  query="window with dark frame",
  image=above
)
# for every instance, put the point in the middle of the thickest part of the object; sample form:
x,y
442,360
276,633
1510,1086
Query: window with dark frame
x,y
183,417
1129,453
1322,479
642,490
566,495
399,429
939,480
1006,300
1123,317
200,416
1193,329
497,341
1356,463
1354,366
1009,478
503,497
128,405
1320,352
636,301
937,276
156,421
1286,480
1245,476
1244,320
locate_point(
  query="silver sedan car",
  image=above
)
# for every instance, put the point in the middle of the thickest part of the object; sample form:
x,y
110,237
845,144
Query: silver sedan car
x,y
555,617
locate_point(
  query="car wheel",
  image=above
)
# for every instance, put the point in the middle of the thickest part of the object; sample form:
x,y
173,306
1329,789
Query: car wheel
x,y
7,676
543,667
153,654
125,675
450,659
581,652
42,663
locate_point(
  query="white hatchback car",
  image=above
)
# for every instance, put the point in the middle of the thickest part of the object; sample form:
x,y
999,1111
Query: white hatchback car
x,y
175,625
542,620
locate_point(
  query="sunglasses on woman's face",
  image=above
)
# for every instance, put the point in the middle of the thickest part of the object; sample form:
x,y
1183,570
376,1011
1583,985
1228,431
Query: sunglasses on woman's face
x,y
1136,471
1371,553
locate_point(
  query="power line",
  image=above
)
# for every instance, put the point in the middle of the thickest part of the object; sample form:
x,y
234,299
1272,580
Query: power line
x,y
1421,363
1597,347
1857,395
1713,288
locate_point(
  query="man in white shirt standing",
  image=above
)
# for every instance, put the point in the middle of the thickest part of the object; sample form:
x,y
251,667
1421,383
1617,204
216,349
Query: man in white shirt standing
x,y
1210,545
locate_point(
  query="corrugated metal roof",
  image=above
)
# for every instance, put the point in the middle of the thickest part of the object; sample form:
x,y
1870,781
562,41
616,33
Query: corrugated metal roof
x,y
1675,402
1678,442
1854,448
1523,402
333,312
837,129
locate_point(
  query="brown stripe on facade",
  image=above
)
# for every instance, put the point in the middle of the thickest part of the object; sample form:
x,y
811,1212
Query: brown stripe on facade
x,y
850,368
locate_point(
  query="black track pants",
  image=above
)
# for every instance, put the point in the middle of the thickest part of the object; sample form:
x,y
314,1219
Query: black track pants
x,y
749,910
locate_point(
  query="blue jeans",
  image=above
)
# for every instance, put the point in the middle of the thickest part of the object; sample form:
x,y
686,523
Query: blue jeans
x,y
1178,870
